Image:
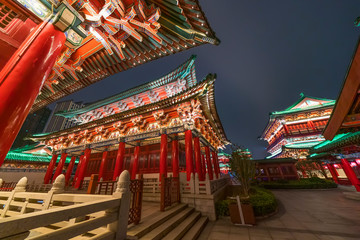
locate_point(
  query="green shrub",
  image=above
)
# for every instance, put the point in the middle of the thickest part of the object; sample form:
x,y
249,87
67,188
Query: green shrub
x,y
303,183
222,207
262,200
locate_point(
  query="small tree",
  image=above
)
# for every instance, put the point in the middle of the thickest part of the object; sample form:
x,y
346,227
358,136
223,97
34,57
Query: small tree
x,y
243,169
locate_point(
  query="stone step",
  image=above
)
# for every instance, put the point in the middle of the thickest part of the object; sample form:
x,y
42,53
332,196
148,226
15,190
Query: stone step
x,y
152,221
166,227
179,231
195,231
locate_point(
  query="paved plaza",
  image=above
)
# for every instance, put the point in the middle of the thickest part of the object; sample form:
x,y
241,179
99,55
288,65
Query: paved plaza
x,y
303,215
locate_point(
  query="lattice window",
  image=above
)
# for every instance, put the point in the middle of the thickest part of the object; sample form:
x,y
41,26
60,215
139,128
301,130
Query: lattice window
x,y
6,16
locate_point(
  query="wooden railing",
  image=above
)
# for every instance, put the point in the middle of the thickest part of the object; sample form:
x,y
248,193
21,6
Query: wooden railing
x,y
106,187
7,186
207,187
56,215
170,191
136,190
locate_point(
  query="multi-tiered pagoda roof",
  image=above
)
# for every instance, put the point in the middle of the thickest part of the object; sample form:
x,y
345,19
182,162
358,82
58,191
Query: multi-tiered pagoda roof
x,y
170,102
292,131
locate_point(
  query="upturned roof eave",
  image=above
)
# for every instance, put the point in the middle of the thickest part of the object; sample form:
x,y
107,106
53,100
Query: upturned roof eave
x,y
210,98
310,108
127,113
133,91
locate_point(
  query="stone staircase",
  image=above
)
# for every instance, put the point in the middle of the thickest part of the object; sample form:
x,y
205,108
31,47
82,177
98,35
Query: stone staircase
x,y
179,222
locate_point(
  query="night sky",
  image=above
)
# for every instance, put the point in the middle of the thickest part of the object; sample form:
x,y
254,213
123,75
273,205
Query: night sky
x,y
270,52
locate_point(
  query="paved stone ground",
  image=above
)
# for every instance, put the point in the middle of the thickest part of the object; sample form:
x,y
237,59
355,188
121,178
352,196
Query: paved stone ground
x,y
303,215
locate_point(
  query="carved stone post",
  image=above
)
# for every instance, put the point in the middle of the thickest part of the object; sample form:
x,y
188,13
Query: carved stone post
x,y
20,187
123,193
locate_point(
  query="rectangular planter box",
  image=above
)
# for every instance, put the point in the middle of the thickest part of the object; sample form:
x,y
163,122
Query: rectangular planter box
x,y
247,210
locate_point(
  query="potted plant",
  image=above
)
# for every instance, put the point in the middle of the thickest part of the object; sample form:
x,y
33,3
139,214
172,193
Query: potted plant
x,y
244,170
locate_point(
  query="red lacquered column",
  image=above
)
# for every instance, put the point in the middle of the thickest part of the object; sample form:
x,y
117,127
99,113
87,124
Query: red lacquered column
x,y
208,162
163,155
77,169
60,166
175,157
135,166
216,164
22,78
69,170
333,172
350,174
119,160
50,169
189,154
102,165
197,155
83,167
203,165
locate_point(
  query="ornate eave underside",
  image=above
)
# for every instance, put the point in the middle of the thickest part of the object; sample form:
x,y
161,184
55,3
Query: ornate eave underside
x,y
202,92
181,25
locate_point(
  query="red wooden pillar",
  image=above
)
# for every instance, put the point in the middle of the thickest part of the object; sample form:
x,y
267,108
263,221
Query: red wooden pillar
x,y
78,169
208,162
216,164
350,174
102,165
333,172
22,78
175,157
83,167
189,154
60,166
119,165
135,167
197,155
69,170
50,169
163,156
203,165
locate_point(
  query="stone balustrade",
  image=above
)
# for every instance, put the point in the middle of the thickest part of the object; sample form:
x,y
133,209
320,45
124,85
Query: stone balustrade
x,y
58,215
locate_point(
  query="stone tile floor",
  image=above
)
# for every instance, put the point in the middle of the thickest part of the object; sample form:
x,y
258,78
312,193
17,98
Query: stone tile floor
x,y
303,215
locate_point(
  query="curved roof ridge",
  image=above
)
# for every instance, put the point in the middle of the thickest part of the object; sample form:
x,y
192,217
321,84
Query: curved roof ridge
x,y
181,71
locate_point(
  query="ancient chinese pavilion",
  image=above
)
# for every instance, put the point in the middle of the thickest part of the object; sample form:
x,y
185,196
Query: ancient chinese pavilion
x,y
167,125
51,48
291,132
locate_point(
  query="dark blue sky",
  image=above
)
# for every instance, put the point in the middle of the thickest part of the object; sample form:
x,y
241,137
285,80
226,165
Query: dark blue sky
x,y
270,52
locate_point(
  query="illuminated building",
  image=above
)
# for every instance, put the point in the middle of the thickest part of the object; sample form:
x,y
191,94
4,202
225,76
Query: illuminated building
x,y
224,165
291,132
53,48
166,125
57,123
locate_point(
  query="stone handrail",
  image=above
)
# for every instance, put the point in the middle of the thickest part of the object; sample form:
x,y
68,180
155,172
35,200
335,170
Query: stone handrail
x,y
207,187
69,215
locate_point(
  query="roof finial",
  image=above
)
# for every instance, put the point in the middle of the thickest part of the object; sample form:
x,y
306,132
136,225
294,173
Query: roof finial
x,y
302,94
